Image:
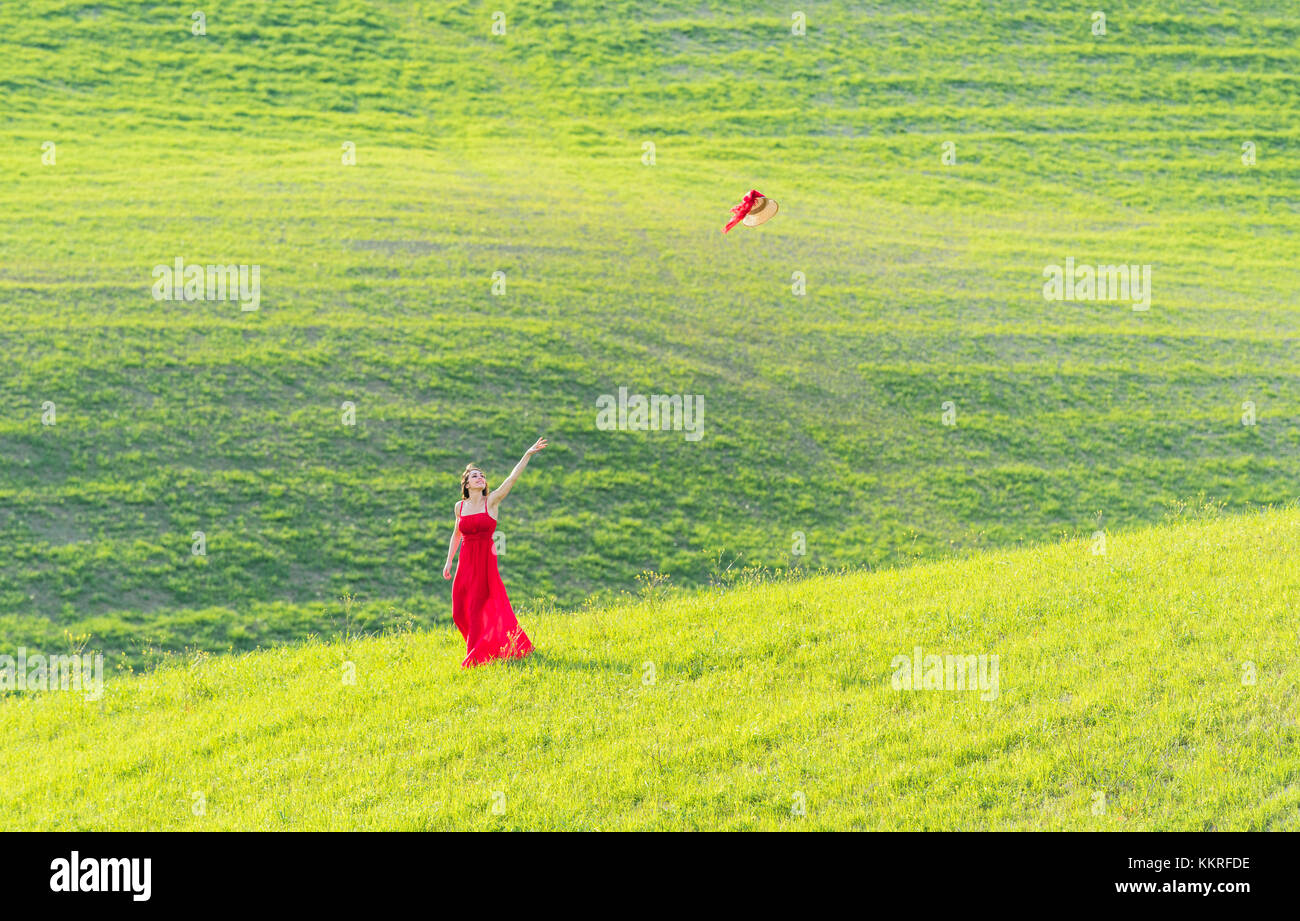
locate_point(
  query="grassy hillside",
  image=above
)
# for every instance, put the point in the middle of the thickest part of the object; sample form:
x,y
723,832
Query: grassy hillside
x,y
1154,686
523,154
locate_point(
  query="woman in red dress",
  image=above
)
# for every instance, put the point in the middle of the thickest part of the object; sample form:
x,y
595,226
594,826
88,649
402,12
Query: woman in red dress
x,y
479,604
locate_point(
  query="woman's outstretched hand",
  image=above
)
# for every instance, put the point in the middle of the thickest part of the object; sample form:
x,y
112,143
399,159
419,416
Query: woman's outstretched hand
x,y
537,446
446,571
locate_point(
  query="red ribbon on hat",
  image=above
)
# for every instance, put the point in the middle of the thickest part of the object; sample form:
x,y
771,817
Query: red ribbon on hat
x,y
742,209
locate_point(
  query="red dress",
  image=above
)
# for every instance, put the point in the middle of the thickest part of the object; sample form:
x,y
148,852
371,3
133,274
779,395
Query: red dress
x,y
479,604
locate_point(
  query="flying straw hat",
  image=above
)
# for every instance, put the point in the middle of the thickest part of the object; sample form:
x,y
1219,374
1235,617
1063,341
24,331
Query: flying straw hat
x,y
762,211
753,210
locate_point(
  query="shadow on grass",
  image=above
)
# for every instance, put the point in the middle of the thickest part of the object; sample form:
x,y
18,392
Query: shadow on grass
x,y
541,659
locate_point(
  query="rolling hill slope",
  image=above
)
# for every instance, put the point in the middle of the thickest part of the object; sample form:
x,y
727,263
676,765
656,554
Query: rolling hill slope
x,y
523,154
1151,686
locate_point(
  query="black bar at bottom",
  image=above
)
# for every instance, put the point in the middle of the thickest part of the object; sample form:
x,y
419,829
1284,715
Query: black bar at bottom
x,y
332,871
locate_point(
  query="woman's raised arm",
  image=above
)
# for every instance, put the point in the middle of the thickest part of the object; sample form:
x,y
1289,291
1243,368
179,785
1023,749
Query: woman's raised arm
x,y
504,489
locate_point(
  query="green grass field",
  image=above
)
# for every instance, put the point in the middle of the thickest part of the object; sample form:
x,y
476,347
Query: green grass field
x,y
930,159
1154,686
523,154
